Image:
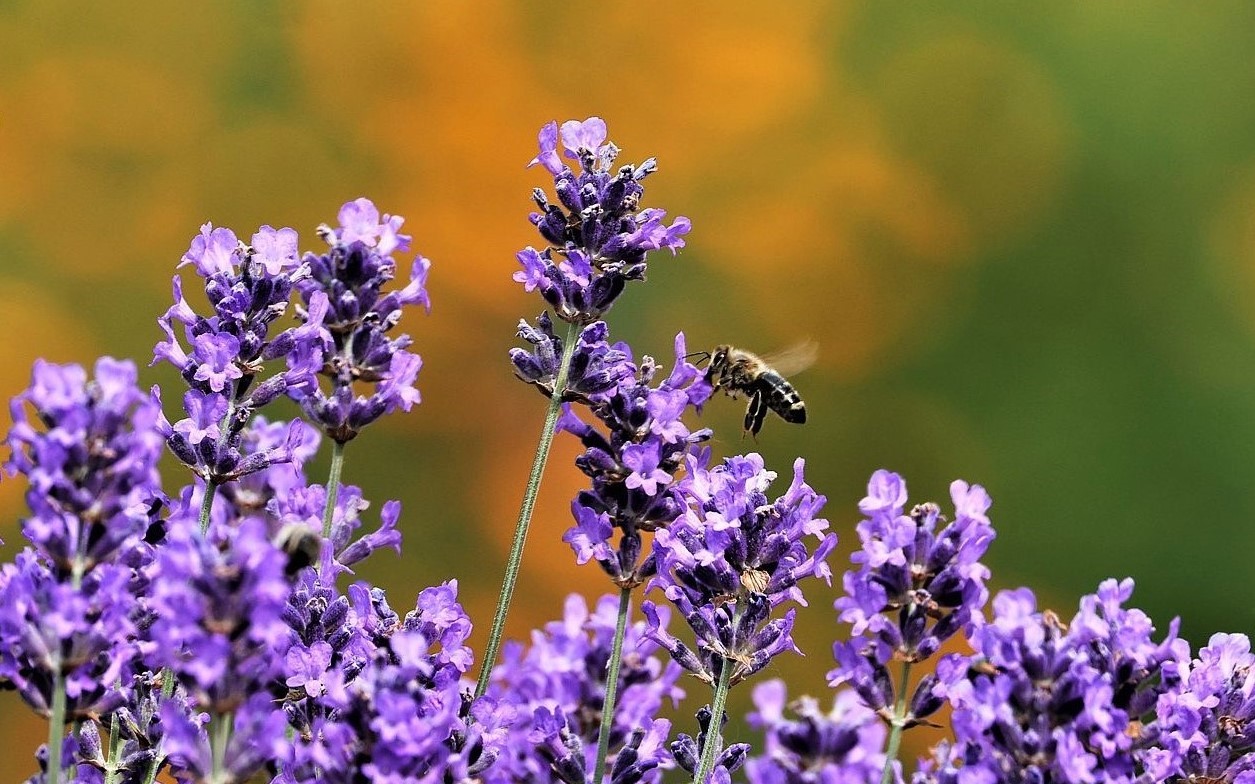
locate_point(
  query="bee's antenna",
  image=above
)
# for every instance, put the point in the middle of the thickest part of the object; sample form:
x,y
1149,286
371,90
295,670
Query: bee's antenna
x,y
703,356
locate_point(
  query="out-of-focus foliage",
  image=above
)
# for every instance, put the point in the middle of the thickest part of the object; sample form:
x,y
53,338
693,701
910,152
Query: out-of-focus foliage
x,y
1023,237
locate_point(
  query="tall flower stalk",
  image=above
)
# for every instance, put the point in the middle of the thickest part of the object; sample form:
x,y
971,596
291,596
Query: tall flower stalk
x,y
634,461
344,304
67,604
726,564
919,582
598,238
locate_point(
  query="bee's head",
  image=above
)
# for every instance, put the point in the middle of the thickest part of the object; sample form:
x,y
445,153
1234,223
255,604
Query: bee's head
x,y
719,357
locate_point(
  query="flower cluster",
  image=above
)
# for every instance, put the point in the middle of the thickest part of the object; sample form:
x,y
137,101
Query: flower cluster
x,y
1042,701
733,556
556,687
1207,723
595,370
217,619
346,306
919,582
597,230
373,694
843,746
172,635
634,464
67,603
248,287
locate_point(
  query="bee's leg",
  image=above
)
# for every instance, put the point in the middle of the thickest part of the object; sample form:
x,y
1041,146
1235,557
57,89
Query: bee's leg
x,y
756,413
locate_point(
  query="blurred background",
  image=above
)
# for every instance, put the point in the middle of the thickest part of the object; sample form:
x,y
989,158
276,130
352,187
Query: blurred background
x,y
1022,236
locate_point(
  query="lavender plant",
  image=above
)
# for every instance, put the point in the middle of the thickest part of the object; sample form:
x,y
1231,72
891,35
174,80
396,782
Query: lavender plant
x,y
919,583
216,632
599,238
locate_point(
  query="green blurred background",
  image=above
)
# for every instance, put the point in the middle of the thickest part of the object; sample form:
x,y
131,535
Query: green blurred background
x,y
1021,234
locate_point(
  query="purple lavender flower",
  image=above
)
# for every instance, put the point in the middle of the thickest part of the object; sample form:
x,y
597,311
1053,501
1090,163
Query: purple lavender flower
x,y
218,612
255,494
1207,724
916,586
731,558
553,740
345,303
257,738
248,289
842,746
386,698
598,234
556,687
596,370
80,631
90,456
139,729
687,751
78,755
68,603
1048,702
303,507
634,465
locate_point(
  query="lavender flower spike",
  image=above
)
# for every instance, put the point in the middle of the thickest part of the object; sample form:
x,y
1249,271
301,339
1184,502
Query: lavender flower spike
x,y
732,557
224,367
725,564
598,234
1045,701
67,634
345,303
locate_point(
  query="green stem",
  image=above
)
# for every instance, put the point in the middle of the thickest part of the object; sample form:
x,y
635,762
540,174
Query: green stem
x,y
115,748
612,686
525,512
219,738
333,487
206,506
714,734
896,726
56,727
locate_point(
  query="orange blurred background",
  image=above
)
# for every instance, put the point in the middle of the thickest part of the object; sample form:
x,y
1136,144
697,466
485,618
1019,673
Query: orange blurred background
x,y
1021,235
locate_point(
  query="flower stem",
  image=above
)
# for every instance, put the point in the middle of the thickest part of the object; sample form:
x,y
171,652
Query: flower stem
x,y
895,729
612,686
714,739
56,726
113,763
219,738
206,506
333,487
525,512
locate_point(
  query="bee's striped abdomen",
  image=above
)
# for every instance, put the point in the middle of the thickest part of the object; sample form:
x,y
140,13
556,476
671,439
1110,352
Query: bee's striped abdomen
x,y
781,397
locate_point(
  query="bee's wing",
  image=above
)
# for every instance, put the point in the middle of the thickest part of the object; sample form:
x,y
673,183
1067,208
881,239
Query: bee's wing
x,y
793,359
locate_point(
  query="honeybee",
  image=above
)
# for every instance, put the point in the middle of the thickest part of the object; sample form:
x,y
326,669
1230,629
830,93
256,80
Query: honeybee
x,y
301,544
737,371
